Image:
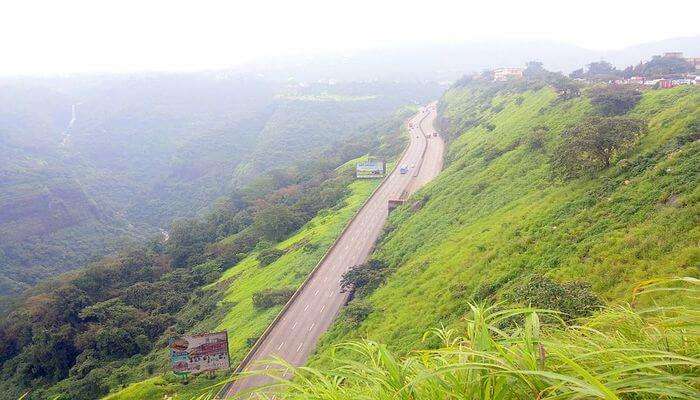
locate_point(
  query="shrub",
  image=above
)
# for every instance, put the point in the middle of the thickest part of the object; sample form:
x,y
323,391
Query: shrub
x,y
538,137
614,100
592,144
566,88
357,311
364,278
573,299
272,297
269,255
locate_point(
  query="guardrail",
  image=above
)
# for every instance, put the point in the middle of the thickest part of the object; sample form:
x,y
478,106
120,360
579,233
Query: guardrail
x,y
249,356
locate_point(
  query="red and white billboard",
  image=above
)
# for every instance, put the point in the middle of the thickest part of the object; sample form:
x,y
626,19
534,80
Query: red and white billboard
x,y
197,353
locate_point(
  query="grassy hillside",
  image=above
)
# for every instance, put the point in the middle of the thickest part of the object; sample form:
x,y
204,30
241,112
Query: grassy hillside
x,y
619,353
499,216
500,224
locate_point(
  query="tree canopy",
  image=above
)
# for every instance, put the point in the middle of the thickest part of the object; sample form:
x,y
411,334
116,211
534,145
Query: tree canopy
x,y
591,145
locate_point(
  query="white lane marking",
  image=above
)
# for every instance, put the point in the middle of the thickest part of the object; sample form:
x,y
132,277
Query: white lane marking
x,y
325,279
299,348
280,346
294,326
306,308
312,326
316,293
331,295
322,308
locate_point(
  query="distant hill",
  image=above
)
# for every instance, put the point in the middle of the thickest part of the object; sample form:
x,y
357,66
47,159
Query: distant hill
x,y
634,54
93,162
449,61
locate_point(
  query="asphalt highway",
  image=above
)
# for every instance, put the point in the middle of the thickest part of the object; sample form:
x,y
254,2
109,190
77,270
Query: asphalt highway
x,y
296,333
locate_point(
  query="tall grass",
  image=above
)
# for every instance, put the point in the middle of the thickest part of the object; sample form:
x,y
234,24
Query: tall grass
x,y
508,353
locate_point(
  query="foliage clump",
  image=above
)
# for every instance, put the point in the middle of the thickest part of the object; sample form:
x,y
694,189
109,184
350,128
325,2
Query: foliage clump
x,y
272,297
269,255
356,312
572,299
363,279
538,137
614,100
591,145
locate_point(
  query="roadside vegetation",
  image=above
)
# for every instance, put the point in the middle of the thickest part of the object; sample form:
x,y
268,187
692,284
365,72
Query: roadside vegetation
x,y
522,262
547,199
620,352
100,329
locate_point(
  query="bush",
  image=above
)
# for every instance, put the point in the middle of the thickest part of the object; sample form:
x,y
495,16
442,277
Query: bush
x,y
538,137
272,297
566,88
364,278
574,299
614,100
269,255
592,144
356,312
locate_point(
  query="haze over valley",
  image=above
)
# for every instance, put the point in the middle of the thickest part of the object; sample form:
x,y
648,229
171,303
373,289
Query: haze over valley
x,y
330,200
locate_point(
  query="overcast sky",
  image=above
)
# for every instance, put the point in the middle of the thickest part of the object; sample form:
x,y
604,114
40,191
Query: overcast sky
x,y
102,35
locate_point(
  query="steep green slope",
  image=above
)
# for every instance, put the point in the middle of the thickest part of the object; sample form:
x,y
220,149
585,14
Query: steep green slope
x,y
236,313
498,215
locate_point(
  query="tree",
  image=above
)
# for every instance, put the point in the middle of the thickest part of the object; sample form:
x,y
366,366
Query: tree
x,y
601,68
272,297
592,144
614,100
574,299
534,69
364,278
269,255
187,241
566,88
275,222
663,66
599,71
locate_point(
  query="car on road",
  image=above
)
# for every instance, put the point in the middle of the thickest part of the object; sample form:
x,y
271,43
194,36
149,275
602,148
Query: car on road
x,y
403,169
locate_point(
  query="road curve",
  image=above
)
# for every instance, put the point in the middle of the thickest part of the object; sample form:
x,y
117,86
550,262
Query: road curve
x,y
313,310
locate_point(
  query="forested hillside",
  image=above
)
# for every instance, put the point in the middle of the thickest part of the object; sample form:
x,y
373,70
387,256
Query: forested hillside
x,y
91,163
555,195
98,329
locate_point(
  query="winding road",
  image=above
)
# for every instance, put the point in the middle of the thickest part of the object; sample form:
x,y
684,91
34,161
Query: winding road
x,y
312,310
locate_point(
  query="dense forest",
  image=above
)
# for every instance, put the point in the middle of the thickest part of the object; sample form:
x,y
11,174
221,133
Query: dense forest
x,y
75,330
93,162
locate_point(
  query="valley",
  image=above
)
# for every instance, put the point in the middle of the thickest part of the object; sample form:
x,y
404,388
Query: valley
x,y
514,233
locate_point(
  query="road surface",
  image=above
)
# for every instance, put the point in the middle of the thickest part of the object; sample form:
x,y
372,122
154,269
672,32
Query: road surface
x,y
296,333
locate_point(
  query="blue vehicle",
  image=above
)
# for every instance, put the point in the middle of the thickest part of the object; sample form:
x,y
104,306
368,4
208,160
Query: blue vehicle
x,y
403,169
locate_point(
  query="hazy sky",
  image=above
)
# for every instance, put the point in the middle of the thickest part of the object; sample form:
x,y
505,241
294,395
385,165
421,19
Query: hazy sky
x,y
124,35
